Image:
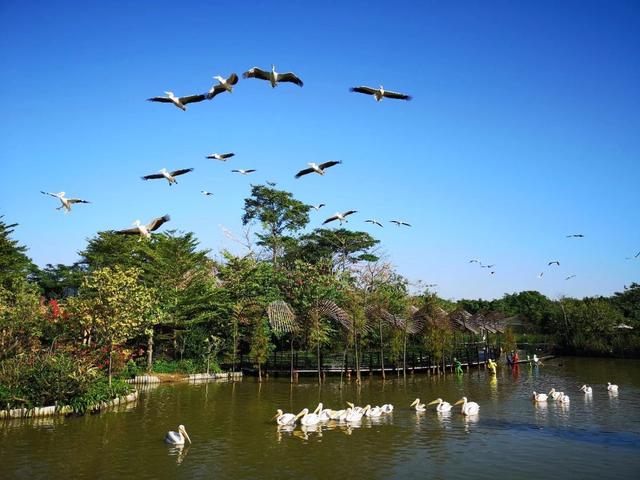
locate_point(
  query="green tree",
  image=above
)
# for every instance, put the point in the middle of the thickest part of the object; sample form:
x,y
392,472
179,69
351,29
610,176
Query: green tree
x,y
15,265
278,213
341,247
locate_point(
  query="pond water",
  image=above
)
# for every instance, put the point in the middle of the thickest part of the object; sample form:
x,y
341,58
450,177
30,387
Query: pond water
x,y
229,424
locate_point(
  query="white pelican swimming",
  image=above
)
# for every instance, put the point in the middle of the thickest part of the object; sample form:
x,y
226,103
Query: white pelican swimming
x,y
338,415
177,438
380,93
66,202
355,414
223,157
273,77
468,408
374,412
555,395
308,419
169,176
586,389
420,407
180,102
224,85
539,397
340,216
324,414
315,168
442,405
612,388
285,419
145,230
387,408
563,398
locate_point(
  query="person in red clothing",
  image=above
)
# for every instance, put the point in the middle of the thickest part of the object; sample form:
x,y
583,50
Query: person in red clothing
x,y
516,358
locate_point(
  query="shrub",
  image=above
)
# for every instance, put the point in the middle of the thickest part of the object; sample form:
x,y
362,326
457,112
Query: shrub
x,y
184,366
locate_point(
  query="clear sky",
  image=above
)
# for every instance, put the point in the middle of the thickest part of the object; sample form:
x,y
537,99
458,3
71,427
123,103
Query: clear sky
x,y
525,127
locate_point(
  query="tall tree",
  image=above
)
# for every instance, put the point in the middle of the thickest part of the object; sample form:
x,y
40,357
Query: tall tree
x,y
279,214
15,265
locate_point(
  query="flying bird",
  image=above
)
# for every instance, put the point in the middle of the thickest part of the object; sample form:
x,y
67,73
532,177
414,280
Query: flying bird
x,y
65,202
317,207
374,222
224,85
244,172
541,274
475,260
492,273
204,192
319,169
555,261
431,285
145,230
488,266
339,216
221,156
273,77
170,176
569,277
575,235
180,102
400,223
380,93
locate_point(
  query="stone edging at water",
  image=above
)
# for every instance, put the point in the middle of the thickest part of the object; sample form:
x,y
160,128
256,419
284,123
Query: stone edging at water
x,y
65,409
194,377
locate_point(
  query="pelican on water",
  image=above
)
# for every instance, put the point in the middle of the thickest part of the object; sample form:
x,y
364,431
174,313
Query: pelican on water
x,y
442,405
273,77
180,102
244,172
285,419
373,221
468,408
177,438
324,414
563,398
221,156
224,85
387,408
66,202
355,414
319,169
374,412
555,395
380,93
340,216
539,397
145,230
420,407
170,176
612,388
586,389
308,419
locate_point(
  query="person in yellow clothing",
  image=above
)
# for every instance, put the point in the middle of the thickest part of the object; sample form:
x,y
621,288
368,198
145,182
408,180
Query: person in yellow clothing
x,y
492,366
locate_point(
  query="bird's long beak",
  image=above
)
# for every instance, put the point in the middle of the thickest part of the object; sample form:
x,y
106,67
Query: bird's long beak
x,y
415,402
433,403
351,405
275,416
459,402
300,414
318,409
186,435
368,407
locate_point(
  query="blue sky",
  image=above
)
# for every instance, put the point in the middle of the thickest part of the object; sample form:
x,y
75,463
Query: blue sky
x,y
525,127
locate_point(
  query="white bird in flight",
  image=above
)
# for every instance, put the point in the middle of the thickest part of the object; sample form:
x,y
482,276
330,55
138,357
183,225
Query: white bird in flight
x,y
204,192
169,176
339,216
223,157
374,222
65,202
315,168
180,102
244,172
317,207
380,93
541,274
569,277
400,223
177,438
273,77
145,230
224,85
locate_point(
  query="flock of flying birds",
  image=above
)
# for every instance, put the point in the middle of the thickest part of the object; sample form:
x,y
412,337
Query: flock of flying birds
x,y
226,85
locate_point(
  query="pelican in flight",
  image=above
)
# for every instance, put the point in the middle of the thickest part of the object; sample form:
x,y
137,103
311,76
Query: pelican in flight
x,y
224,85
317,207
223,157
170,176
244,172
177,438
586,389
468,408
273,77
442,405
145,230
488,266
420,407
387,408
319,169
400,223
373,221
475,260
575,235
340,216
554,262
204,192
285,419
380,93
180,102
539,397
541,274
612,388
569,277
555,395
66,202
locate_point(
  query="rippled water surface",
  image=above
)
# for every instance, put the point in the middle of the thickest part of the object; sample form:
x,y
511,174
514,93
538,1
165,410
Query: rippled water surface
x,y
593,437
